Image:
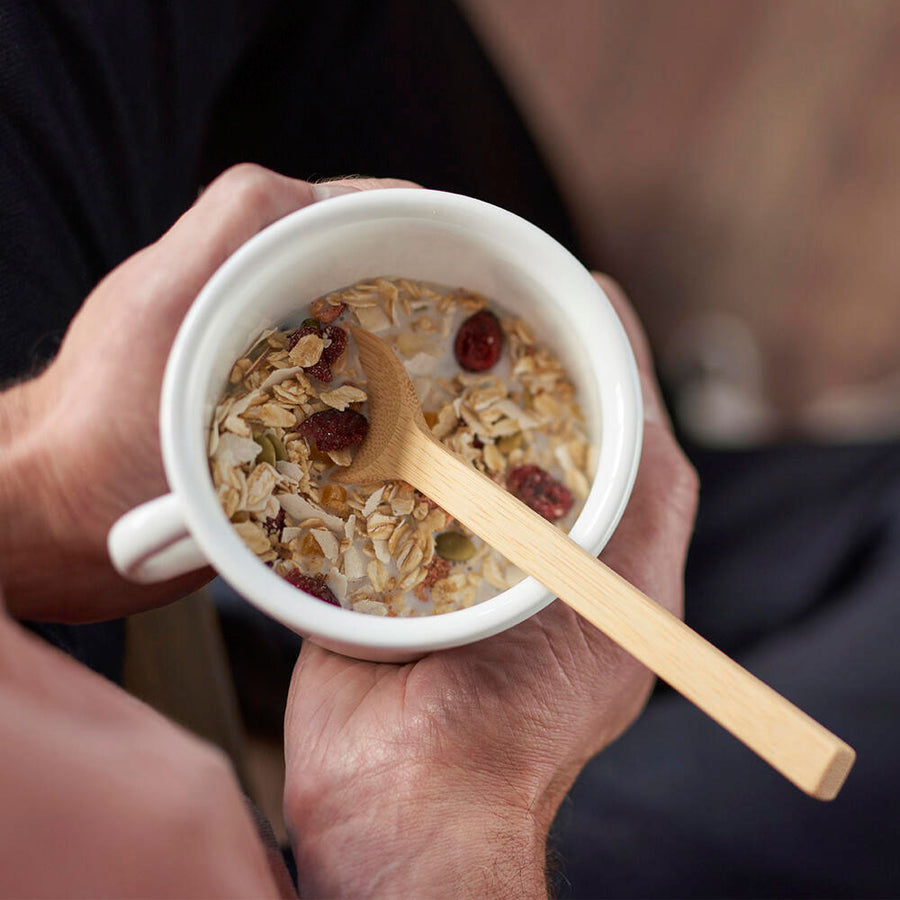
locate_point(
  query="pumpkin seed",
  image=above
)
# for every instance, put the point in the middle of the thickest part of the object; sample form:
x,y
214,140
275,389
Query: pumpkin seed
x,y
454,546
266,449
277,445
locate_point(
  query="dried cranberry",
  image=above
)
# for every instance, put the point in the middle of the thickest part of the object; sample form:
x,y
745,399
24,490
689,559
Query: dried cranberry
x,y
335,339
479,341
274,524
540,490
312,584
333,429
335,344
338,343
309,326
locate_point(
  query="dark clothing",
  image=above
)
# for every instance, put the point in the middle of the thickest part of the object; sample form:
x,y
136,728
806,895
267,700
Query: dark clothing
x,y
113,115
795,572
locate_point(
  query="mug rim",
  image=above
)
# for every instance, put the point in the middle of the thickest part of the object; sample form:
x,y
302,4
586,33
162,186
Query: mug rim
x,y
335,626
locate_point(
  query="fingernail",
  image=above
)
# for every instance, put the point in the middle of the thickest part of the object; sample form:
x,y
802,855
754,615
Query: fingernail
x,y
327,189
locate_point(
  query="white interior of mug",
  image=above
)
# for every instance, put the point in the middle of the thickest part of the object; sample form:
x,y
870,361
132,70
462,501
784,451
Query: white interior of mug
x,y
423,235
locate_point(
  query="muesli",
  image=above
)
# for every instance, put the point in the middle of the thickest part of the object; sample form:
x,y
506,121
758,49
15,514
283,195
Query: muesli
x,y
296,408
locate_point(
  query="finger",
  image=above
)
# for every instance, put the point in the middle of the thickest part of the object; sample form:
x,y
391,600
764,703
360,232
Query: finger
x,y
660,515
654,408
239,203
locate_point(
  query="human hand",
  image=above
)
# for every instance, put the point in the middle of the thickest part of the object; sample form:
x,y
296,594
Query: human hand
x,y
103,797
82,439
442,777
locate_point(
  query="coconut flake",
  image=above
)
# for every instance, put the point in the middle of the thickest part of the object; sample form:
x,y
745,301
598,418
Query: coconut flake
x,y
278,376
327,541
234,450
244,403
355,562
273,507
373,318
299,508
289,470
421,364
338,585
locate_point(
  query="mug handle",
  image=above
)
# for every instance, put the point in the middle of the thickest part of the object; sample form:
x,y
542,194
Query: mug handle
x,y
152,543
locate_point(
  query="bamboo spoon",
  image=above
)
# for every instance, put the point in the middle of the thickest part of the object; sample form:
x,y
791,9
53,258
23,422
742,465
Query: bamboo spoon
x,y
399,445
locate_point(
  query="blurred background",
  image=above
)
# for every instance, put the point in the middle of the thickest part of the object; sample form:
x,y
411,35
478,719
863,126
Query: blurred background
x,y
735,164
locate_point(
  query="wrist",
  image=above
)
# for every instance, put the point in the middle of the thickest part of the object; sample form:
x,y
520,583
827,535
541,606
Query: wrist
x,y
421,832
46,540
23,484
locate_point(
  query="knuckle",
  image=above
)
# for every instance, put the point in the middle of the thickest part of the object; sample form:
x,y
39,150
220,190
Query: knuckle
x,y
672,472
684,480
213,767
687,486
211,775
241,175
247,187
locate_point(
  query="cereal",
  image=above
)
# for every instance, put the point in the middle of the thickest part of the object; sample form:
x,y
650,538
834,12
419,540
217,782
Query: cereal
x,y
296,407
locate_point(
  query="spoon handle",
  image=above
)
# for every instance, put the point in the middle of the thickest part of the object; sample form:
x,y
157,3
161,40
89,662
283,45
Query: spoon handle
x,y
794,744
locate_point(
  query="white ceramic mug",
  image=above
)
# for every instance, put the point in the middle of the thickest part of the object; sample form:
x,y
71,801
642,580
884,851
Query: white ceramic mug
x,y
418,234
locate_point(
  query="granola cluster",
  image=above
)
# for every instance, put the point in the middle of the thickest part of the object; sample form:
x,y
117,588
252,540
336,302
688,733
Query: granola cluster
x,y
295,409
